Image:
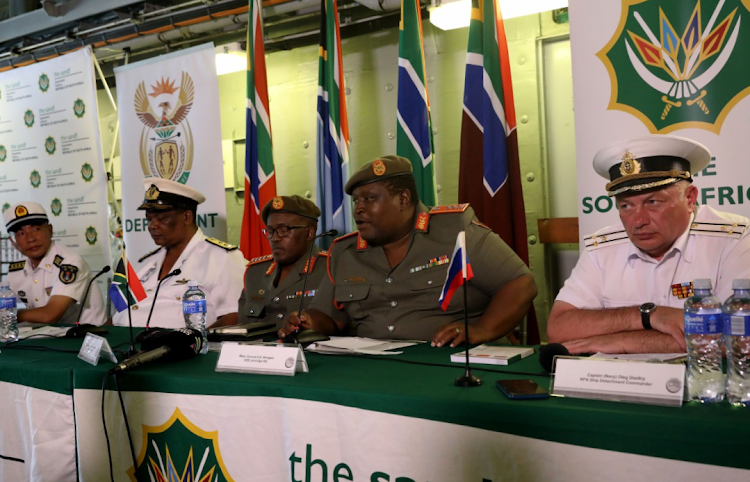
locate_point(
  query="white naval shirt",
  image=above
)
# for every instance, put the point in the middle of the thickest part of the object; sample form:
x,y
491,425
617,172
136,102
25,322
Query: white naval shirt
x,y
612,272
218,271
35,286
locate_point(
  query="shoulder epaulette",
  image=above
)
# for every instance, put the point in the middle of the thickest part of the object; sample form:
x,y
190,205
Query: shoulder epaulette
x,y
58,260
450,208
607,238
221,244
149,254
260,259
323,253
480,224
733,230
17,266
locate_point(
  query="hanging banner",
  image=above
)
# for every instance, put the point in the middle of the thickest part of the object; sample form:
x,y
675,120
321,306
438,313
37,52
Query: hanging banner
x,y
170,127
662,67
50,151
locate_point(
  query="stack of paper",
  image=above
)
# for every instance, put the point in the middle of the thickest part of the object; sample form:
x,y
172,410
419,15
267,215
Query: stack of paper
x,y
493,355
364,346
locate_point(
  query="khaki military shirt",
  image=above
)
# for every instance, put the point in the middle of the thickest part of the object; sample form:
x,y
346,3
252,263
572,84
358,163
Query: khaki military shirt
x,y
262,301
402,302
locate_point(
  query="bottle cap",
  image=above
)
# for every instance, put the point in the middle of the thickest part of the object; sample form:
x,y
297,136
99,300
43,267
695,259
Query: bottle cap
x,y
193,284
702,284
741,284
6,284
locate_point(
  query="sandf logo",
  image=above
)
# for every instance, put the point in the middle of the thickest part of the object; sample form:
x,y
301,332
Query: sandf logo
x,y
676,65
179,447
50,145
87,172
43,82
6,206
35,178
3,153
56,207
166,147
79,108
28,118
91,235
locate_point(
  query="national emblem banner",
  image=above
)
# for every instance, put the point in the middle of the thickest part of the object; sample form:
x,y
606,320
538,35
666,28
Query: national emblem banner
x,y
662,67
170,127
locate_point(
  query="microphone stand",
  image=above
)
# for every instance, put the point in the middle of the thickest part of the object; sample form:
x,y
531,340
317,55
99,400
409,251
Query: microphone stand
x,y
80,330
467,379
148,329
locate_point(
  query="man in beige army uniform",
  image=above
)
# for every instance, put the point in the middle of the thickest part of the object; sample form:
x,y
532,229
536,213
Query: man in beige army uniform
x,y
385,280
274,283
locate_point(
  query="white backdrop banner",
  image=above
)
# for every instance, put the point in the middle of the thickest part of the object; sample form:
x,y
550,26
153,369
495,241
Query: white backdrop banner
x,y
170,127
662,67
50,150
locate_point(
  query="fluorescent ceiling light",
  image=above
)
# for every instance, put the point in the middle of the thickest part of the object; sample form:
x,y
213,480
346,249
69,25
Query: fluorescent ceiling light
x,y
449,15
230,58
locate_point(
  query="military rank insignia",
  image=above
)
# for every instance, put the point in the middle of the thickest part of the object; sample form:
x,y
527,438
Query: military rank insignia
x,y
68,273
682,290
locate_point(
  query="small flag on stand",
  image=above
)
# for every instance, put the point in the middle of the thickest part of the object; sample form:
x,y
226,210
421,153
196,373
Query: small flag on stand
x,y
126,289
459,271
260,178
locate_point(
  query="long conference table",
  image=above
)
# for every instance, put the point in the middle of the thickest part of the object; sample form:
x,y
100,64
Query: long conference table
x,y
351,418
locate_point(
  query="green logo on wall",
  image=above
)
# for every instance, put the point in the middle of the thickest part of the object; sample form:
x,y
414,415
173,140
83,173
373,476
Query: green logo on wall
x,y
28,118
35,178
676,65
91,235
43,82
179,447
56,207
79,108
87,172
50,145
6,206
3,153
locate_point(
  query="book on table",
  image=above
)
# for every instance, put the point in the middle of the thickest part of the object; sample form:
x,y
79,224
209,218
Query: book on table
x,y
493,355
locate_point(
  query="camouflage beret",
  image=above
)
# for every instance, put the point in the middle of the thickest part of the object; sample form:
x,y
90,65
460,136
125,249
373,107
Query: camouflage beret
x,y
290,204
377,170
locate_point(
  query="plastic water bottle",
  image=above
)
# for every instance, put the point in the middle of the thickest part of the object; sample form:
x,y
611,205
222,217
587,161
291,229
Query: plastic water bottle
x,y
194,310
703,337
8,314
737,342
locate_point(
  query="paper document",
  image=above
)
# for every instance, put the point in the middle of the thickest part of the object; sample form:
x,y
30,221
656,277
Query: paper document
x,y
655,357
56,331
364,346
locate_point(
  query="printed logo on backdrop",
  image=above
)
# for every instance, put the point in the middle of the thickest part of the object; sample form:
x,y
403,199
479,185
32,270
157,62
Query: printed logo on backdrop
x,y
28,118
87,172
50,145
79,108
3,153
676,65
6,206
166,145
43,82
35,178
179,451
56,207
91,235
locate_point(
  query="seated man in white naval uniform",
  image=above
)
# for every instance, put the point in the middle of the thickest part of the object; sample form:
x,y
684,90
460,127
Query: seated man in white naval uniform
x,y
217,266
627,292
52,280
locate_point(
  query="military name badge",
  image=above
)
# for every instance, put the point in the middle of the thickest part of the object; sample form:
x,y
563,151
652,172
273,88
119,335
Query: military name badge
x,y
68,273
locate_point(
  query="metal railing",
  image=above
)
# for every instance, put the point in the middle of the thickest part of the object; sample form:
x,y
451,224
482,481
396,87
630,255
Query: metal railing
x,y
8,254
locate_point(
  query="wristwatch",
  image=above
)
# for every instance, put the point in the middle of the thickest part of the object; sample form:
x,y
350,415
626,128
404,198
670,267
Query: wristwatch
x,y
646,310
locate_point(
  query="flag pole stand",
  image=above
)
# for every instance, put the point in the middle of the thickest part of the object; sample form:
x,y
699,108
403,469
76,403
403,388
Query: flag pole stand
x,y
467,379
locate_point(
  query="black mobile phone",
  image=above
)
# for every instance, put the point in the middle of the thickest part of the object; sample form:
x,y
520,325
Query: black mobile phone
x,y
521,389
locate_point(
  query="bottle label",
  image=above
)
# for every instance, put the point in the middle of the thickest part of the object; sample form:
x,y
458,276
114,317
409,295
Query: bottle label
x,y
190,307
7,303
703,323
737,325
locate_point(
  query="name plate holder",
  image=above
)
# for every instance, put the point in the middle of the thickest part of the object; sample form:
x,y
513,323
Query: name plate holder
x,y
619,380
95,347
261,358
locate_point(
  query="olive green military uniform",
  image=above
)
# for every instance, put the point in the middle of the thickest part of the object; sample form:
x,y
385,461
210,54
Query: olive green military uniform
x,y
402,302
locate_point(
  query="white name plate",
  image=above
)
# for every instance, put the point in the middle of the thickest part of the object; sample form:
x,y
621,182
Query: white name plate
x,y
265,359
619,380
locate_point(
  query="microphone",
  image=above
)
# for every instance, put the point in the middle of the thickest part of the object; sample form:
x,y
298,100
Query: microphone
x,y
169,346
148,330
308,336
548,352
80,330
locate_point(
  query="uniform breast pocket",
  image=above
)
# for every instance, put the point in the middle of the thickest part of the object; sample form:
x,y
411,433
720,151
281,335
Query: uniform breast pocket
x,y
354,298
253,308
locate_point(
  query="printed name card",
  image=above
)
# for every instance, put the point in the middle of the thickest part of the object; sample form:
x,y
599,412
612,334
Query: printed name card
x,y
619,380
264,359
95,347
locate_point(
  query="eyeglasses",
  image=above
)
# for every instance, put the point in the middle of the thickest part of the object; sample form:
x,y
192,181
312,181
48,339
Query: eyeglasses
x,y
282,231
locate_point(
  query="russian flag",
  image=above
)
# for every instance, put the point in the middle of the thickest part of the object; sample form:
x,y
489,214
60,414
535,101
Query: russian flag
x,y
459,271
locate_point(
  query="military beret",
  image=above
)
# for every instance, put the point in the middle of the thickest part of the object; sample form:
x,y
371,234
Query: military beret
x,y
24,213
649,162
164,194
377,170
290,204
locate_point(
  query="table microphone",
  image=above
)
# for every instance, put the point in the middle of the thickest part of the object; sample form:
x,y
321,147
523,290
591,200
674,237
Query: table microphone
x,y
307,335
548,352
148,329
80,330
171,346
